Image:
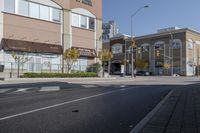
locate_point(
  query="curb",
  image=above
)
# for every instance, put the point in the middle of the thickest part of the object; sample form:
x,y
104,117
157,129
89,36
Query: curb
x,y
148,117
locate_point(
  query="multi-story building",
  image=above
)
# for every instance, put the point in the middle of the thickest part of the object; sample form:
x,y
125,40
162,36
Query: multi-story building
x,y
110,29
164,56
43,30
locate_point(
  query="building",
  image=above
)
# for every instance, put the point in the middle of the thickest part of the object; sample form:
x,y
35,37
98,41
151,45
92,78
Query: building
x,y
43,30
110,29
157,50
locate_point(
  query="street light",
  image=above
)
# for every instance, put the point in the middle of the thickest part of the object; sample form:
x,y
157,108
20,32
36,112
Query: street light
x,y
172,52
132,54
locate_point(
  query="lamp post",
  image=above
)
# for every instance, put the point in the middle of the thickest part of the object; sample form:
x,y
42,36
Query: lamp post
x,y
132,42
172,56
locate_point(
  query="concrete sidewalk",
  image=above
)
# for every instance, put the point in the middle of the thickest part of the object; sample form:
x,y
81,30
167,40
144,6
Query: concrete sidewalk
x,y
180,113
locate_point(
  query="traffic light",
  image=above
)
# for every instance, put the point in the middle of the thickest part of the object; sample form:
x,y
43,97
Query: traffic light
x,y
133,44
157,53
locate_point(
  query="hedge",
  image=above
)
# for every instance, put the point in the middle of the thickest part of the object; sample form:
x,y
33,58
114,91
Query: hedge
x,y
59,75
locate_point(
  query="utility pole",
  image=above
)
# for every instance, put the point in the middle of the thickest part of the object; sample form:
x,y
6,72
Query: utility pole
x,y
198,62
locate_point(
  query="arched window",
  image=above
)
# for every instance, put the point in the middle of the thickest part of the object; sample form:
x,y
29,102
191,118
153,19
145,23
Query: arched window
x,y
177,44
117,48
190,44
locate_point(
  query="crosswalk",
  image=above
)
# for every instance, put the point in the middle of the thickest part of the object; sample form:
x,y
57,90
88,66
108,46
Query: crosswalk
x,y
29,90
47,89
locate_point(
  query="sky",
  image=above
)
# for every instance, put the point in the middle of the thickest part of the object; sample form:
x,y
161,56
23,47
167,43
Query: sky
x,y
161,14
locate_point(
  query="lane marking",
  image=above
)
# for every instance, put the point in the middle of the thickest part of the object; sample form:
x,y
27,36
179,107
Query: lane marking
x,y
64,103
50,88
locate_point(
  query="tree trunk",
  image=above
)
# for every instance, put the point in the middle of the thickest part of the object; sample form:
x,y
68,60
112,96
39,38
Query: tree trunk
x,y
18,67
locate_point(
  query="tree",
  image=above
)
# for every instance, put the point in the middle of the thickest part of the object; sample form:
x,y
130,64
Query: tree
x,y
141,64
71,56
20,59
105,56
166,67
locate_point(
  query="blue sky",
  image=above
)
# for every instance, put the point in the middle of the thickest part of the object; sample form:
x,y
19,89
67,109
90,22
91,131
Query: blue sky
x,y
161,14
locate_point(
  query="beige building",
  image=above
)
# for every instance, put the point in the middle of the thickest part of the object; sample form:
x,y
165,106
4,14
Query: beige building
x,y
163,56
43,29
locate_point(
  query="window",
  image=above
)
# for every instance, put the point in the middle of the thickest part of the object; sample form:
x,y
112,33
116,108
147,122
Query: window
x,y
190,44
91,23
44,12
83,22
87,2
9,6
56,15
75,20
23,7
33,10
117,48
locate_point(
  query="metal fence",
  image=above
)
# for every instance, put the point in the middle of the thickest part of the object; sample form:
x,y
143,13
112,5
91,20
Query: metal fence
x,y
11,69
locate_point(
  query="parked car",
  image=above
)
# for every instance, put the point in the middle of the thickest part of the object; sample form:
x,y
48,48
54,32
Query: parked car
x,y
142,73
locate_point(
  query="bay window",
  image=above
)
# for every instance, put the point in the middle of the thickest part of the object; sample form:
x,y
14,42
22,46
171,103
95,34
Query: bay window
x,y
9,6
83,21
91,23
44,12
34,10
56,15
75,20
23,7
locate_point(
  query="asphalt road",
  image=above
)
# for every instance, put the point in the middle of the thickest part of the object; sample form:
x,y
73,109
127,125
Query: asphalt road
x,y
60,107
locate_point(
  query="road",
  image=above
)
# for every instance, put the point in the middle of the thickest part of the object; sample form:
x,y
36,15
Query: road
x,y
72,107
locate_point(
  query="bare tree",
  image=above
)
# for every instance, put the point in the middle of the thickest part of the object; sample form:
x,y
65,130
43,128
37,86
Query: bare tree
x,y
20,59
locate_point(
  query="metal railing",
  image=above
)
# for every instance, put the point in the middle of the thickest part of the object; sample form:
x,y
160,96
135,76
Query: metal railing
x,y
11,68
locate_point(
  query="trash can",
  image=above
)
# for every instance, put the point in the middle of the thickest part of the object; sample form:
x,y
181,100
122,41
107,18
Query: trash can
x,y
1,68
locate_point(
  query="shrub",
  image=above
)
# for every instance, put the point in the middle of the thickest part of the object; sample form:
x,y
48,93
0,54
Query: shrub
x,y
59,75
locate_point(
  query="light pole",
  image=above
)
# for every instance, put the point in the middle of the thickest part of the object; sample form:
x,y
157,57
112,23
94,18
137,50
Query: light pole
x,y
132,42
172,56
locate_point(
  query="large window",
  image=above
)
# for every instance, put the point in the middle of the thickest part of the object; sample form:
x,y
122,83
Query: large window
x,y
117,48
44,12
83,21
91,23
56,15
34,10
75,20
9,6
23,7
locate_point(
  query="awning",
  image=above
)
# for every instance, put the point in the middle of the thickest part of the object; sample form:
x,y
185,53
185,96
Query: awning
x,y
85,52
33,47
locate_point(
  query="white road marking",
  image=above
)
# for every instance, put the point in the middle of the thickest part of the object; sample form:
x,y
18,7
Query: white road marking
x,y
50,88
122,86
89,86
61,104
22,89
4,90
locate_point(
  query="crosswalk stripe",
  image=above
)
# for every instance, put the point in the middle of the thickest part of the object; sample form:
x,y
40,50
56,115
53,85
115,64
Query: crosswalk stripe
x,y
4,90
51,88
89,86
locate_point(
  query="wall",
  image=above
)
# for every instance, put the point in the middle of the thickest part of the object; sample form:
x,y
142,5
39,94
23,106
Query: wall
x,y
192,54
1,27
30,29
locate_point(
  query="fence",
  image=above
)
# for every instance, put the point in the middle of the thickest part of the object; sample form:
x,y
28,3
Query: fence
x,y
11,69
